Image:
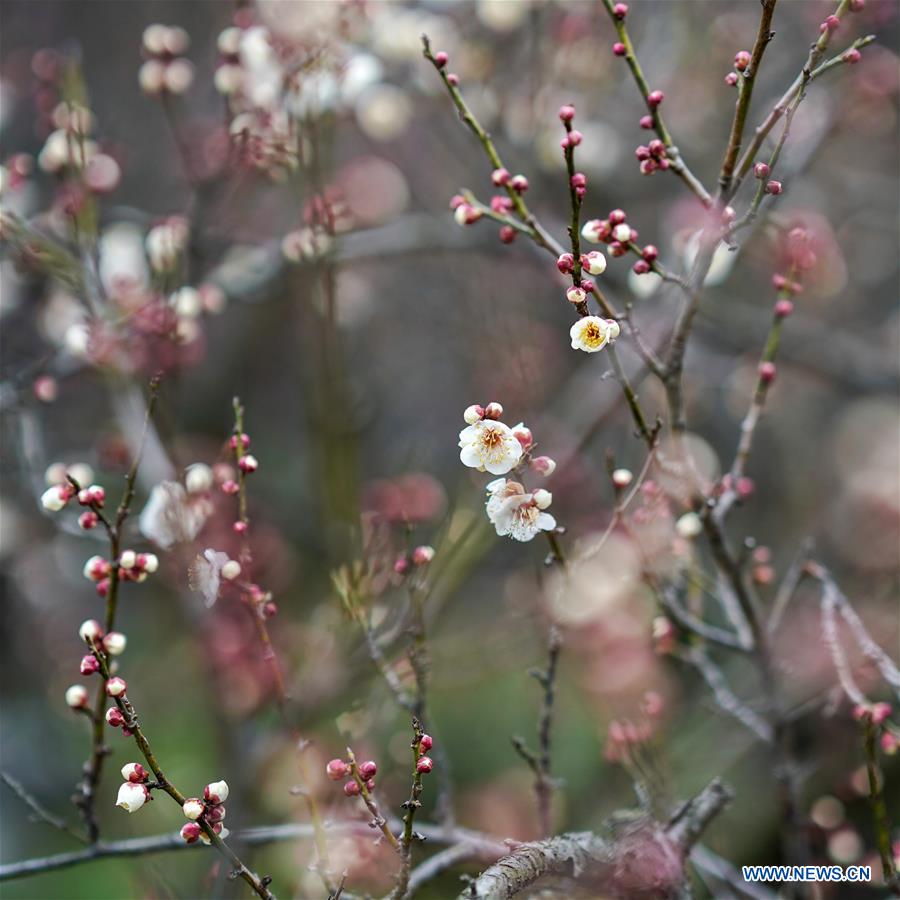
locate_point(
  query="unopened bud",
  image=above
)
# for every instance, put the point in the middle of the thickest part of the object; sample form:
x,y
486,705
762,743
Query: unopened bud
x,y
116,686
77,696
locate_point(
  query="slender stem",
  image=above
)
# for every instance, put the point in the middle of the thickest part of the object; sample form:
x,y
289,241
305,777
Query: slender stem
x,y
411,806
378,820
537,232
816,53
745,92
676,163
257,613
879,808
39,810
131,722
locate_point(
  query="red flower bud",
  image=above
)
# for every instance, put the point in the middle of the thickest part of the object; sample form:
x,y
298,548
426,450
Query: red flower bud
x,y
424,764
368,770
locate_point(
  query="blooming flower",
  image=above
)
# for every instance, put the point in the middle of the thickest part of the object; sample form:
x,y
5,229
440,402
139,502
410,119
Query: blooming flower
x,y
489,446
171,516
591,333
516,513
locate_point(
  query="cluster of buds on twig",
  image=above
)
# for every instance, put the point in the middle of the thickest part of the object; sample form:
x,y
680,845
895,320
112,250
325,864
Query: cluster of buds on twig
x,y
360,775
488,445
878,714
210,810
134,792
165,70
419,557
131,566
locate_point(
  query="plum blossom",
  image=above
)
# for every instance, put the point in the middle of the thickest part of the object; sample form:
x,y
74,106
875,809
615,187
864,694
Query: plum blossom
x,y
206,572
171,516
516,513
591,333
489,446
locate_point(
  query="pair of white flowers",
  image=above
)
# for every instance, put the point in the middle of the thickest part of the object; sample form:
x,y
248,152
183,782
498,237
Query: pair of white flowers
x,y
489,445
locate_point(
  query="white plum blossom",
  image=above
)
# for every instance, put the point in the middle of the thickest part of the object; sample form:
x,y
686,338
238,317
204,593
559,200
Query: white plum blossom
x,y
132,796
171,516
592,333
516,513
205,574
489,446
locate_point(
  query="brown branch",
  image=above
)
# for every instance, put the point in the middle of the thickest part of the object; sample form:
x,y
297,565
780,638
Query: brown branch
x,y
879,809
618,866
676,163
745,92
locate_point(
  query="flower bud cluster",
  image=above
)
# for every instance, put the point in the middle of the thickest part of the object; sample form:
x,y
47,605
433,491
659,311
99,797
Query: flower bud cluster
x,y
210,809
134,792
166,70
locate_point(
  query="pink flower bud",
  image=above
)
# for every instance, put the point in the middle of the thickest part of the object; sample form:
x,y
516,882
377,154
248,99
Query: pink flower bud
x,y
426,742
654,98
135,773
857,5
367,770
191,832
240,528
493,411
594,262
453,79
744,487
507,234
88,520
424,764
731,79
783,308
774,187
622,233
116,686
574,138
45,388
646,122
248,463
422,555
542,498
89,664
617,248
55,498
619,49
216,792
132,796
652,704
576,295
90,631
741,60
641,267
193,809
441,59
147,562
831,23
519,183
579,179
77,697
215,813
617,217
890,743
852,56
337,769
114,717
565,263
597,231
244,438
543,465
761,170
351,788
500,177
230,487
620,10
473,414
767,372
880,712
566,113
401,565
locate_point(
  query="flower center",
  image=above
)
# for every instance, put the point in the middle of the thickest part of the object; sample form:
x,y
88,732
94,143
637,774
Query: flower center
x,y
592,335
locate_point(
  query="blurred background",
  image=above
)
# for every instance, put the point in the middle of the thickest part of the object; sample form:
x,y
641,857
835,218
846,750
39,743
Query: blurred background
x,y
354,363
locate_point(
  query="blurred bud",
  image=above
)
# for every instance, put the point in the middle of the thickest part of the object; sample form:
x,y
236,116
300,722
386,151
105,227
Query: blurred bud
x,y
367,770
422,555
621,478
231,570
689,525
351,788
542,498
114,643
337,769
77,696
543,465
90,631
